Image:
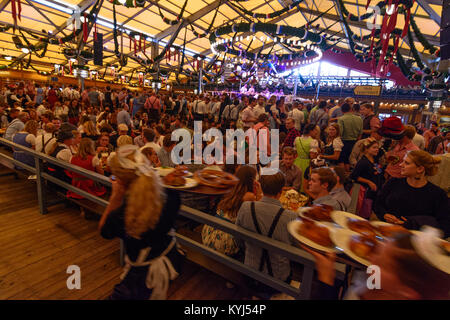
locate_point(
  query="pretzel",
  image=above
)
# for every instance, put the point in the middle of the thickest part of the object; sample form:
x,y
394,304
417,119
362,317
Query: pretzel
x,y
215,178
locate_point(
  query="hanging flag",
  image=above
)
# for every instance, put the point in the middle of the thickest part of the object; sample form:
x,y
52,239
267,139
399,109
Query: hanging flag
x,y
85,29
19,10
95,30
14,13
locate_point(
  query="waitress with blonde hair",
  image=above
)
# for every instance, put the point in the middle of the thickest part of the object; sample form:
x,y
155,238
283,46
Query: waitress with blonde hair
x,y
142,214
413,201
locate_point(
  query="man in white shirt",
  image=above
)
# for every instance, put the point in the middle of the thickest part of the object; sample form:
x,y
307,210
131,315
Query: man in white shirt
x,y
149,139
215,108
207,108
46,138
67,92
297,115
248,115
200,108
16,125
259,109
74,93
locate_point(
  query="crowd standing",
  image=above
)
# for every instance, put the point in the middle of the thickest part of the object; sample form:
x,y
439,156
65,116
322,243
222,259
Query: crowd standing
x,y
325,148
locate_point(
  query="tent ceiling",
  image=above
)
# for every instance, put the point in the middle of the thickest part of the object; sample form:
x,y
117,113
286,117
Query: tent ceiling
x,y
51,15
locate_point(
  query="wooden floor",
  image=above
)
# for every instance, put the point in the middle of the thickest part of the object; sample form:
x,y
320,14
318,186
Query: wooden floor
x,y
35,251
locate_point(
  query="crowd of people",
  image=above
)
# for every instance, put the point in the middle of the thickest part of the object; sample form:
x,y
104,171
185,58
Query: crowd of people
x,y
325,148
311,87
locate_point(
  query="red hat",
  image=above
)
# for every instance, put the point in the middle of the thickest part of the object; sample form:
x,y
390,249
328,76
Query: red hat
x,y
392,127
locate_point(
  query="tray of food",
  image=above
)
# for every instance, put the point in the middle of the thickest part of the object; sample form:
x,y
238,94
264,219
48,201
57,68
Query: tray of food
x,y
215,178
313,234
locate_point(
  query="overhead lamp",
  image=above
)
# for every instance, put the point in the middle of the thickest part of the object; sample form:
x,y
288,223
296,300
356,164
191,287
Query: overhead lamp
x,y
122,2
9,58
195,91
172,49
73,60
25,50
168,87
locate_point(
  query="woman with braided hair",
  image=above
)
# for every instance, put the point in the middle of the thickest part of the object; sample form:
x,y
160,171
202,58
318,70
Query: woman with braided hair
x,y
142,214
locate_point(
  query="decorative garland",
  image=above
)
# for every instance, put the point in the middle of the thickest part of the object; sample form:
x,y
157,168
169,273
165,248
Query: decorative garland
x,y
415,54
432,49
178,18
390,51
198,35
269,28
72,53
129,3
271,15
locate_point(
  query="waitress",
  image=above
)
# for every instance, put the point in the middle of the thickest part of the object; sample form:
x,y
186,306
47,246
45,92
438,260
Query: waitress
x,y
143,214
334,145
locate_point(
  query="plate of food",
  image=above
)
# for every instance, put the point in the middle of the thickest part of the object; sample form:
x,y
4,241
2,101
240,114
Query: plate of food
x,y
388,230
359,247
313,234
215,178
445,247
177,180
164,171
317,212
292,200
342,217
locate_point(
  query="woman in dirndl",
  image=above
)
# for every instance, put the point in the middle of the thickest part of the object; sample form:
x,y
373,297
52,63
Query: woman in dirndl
x,y
142,214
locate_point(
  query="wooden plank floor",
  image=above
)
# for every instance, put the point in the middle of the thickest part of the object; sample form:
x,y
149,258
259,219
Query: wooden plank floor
x,y
35,251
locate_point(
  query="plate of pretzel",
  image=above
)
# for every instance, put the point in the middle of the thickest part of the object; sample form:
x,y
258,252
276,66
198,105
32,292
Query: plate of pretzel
x,y
215,178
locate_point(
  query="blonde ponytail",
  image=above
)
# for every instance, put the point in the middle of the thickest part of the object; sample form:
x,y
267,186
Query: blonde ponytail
x,y
145,199
144,205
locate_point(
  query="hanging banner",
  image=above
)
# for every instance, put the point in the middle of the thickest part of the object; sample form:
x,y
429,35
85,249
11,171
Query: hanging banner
x,y
367,90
